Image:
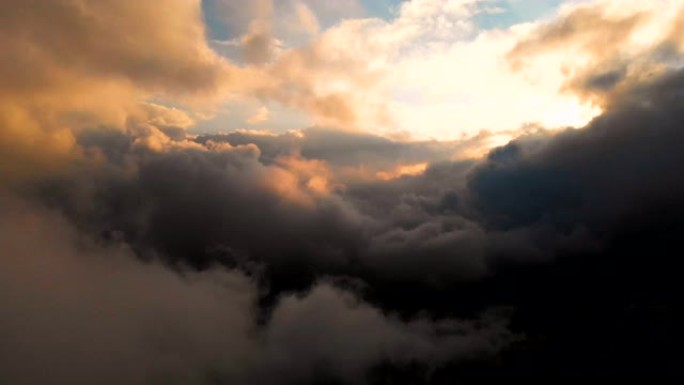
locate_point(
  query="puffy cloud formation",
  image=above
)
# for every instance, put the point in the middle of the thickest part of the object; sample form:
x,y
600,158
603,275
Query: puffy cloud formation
x,y
80,311
72,64
53,43
134,252
389,75
641,36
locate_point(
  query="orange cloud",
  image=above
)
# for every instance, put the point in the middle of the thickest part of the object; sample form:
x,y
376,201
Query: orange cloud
x,y
676,35
402,170
261,115
299,180
602,48
72,64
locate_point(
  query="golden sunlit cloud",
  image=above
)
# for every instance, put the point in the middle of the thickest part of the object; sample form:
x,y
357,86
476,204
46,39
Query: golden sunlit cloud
x,y
428,73
278,192
402,170
412,75
57,74
260,116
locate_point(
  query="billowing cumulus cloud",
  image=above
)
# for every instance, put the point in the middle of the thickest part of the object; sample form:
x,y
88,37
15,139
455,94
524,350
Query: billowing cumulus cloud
x,y
69,64
387,75
329,203
439,219
79,311
593,69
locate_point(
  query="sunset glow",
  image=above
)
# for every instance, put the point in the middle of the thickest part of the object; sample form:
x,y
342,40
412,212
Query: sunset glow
x,y
281,192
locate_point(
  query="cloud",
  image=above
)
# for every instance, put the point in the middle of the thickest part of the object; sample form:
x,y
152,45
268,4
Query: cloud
x,y
261,115
402,170
258,43
531,200
534,199
329,330
356,154
432,73
385,76
58,75
594,174
591,69
80,311
136,252
319,188
306,19
160,50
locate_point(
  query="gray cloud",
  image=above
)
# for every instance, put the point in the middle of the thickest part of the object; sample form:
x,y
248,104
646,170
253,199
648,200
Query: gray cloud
x,y
77,311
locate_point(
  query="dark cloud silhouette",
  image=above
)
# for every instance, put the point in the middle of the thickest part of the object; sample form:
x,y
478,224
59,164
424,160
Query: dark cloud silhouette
x,y
605,203
619,167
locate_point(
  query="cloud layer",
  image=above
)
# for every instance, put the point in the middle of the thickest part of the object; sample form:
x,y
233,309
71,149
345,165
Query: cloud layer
x,y
134,252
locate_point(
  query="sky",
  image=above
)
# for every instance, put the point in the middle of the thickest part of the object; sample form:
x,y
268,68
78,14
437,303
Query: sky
x,y
469,38
339,192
